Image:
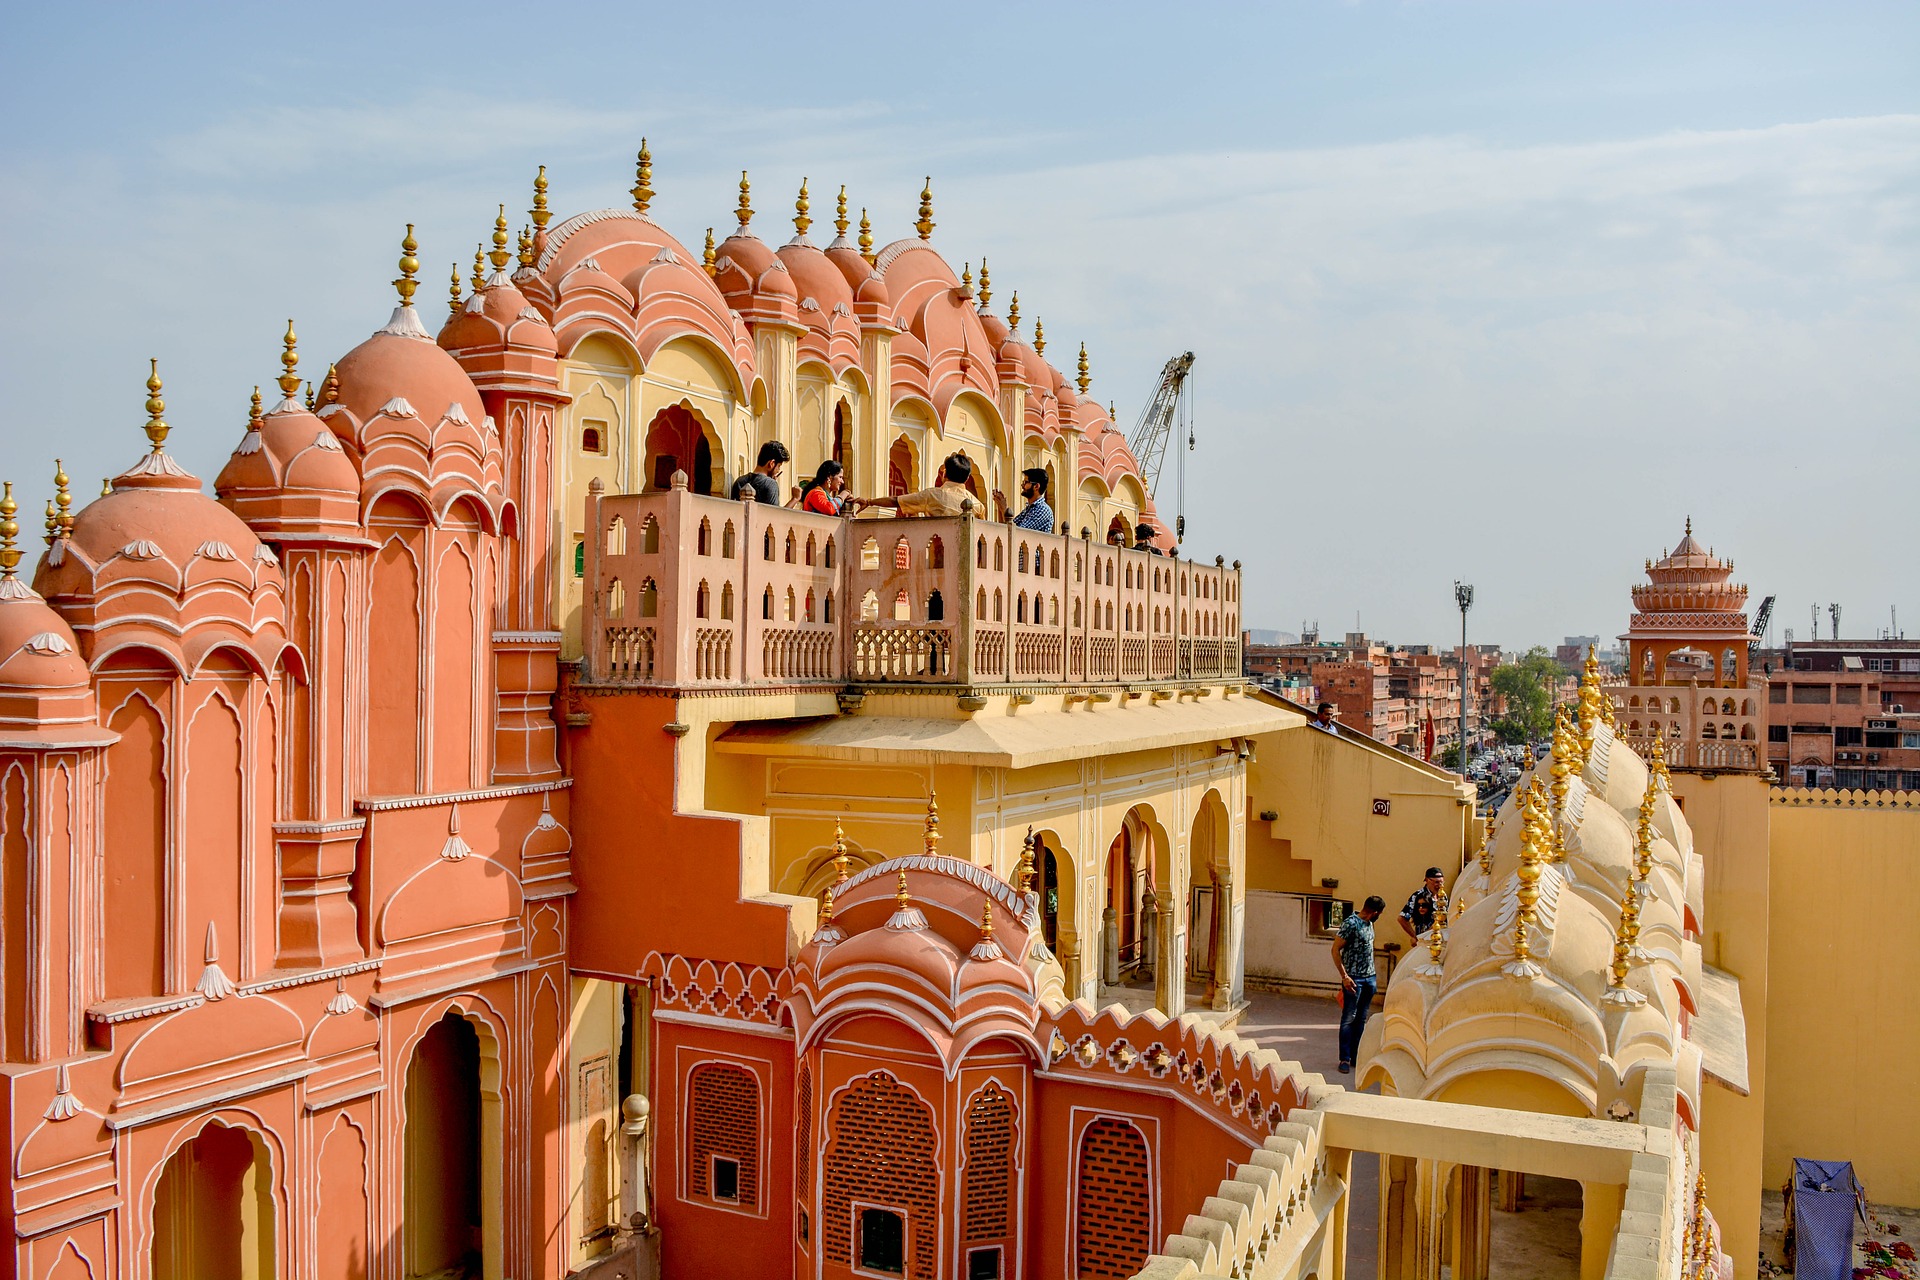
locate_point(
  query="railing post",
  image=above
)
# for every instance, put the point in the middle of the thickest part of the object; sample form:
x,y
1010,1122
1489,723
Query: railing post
x,y
592,623
963,620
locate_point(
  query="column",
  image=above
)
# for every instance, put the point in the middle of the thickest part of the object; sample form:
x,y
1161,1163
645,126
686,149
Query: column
x,y
1226,949
1170,976
1110,946
1600,1207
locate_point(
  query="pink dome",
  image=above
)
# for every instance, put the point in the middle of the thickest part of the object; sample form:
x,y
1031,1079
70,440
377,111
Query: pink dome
x,y
38,652
391,366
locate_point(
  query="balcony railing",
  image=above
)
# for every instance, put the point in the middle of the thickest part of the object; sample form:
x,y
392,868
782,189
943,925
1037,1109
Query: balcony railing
x,y
684,590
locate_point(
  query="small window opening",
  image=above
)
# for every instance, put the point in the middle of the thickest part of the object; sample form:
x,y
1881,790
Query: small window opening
x,y
883,1241
983,1264
726,1179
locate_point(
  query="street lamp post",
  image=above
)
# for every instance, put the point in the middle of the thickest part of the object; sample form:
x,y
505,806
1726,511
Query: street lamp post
x,y
1463,596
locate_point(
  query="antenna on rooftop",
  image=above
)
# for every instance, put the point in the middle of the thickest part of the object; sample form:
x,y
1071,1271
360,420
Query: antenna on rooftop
x,y
1833,611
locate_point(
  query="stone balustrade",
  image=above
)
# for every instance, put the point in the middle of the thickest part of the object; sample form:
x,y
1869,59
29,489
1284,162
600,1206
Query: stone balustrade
x,y
689,591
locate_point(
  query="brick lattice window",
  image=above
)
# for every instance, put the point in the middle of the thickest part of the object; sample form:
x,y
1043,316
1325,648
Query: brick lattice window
x,y
988,1175
804,1142
1112,1226
880,1150
724,1120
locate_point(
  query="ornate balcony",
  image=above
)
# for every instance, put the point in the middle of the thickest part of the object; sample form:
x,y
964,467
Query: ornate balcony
x,y
687,591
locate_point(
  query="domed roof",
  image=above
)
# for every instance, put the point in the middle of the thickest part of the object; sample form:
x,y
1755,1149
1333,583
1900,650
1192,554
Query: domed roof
x,y
1688,554
401,363
38,653
289,473
159,562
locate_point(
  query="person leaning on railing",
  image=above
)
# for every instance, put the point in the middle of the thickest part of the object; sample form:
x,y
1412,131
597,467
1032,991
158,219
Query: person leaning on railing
x,y
948,497
826,493
1036,515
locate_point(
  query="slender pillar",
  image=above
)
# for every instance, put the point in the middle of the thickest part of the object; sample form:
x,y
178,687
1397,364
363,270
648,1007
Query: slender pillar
x,y
1600,1206
1170,985
1110,946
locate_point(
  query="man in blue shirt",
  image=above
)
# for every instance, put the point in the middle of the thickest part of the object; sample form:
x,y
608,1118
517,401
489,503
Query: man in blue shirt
x,y
1353,957
1036,515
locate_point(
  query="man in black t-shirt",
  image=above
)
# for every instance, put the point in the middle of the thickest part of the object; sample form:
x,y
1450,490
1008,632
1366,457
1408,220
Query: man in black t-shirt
x,y
764,481
1424,903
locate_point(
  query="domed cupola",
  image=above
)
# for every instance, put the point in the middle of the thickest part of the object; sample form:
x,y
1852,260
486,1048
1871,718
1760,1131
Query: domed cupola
x,y
1690,579
872,304
826,305
46,694
155,562
498,329
752,278
290,476
411,417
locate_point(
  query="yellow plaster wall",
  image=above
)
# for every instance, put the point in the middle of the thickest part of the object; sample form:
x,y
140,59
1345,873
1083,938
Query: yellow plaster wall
x,y
1322,789
1728,815
1843,951
592,1131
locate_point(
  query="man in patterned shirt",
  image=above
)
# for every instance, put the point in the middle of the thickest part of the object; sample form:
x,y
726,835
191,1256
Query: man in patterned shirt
x,y
1036,515
1422,904
1353,957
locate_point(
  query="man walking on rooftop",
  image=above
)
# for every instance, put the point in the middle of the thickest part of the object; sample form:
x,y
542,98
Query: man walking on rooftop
x,y
1353,957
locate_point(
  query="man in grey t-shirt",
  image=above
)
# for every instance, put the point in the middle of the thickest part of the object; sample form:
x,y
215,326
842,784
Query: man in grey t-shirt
x,y
1353,957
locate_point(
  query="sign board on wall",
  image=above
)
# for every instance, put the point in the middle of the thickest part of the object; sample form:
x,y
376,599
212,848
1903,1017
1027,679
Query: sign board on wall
x,y
1382,808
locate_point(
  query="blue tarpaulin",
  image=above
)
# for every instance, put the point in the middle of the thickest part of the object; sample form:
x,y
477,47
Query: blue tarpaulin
x,y
1822,1198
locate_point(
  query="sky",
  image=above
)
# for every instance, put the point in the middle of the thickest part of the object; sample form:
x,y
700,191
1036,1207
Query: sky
x,y
1494,292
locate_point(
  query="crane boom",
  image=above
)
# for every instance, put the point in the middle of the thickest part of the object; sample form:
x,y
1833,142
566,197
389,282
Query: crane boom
x,y
1760,620
1150,435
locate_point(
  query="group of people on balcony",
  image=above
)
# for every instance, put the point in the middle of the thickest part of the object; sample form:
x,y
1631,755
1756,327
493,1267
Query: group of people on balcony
x,y
826,493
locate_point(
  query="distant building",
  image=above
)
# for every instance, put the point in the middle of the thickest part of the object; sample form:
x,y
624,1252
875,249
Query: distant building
x,y
1844,713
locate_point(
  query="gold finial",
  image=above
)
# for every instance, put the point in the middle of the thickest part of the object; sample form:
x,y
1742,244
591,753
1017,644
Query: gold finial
x,y
800,206
932,836
479,268
62,499
526,247
1113,414
1689,526
986,919
53,524
453,289
709,260
409,264
106,487
540,213
744,211
156,425
1023,876
986,285
826,905
9,530
901,897
330,387
642,190
840,213
253,411
1084,377
309,397
1040,337
289,362
499,256
925,225
866,238
966,278
1013,313
840,858
1528,892
1437,934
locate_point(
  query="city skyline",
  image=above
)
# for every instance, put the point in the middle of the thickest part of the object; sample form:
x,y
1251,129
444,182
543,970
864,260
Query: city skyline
x,y
1440,258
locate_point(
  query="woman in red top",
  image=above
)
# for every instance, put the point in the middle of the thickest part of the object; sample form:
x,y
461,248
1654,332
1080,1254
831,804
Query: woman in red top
x,y
825,494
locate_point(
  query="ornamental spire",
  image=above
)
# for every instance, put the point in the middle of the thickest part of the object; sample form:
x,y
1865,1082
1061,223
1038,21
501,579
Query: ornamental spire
x,y
330,386
642,190
926,224
840,858
709,260
53,524
253,411
479,268
1013,314
499,256
526,248
409,264
289,379
1040,337
800,206
540,214
1023,876
932,836
62,499
1084,377
986,286
866,238
840,212
9,530
157,427
454,300
744,212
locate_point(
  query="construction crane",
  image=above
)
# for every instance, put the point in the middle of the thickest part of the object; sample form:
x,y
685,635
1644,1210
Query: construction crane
x,y
1150,435
1761,617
